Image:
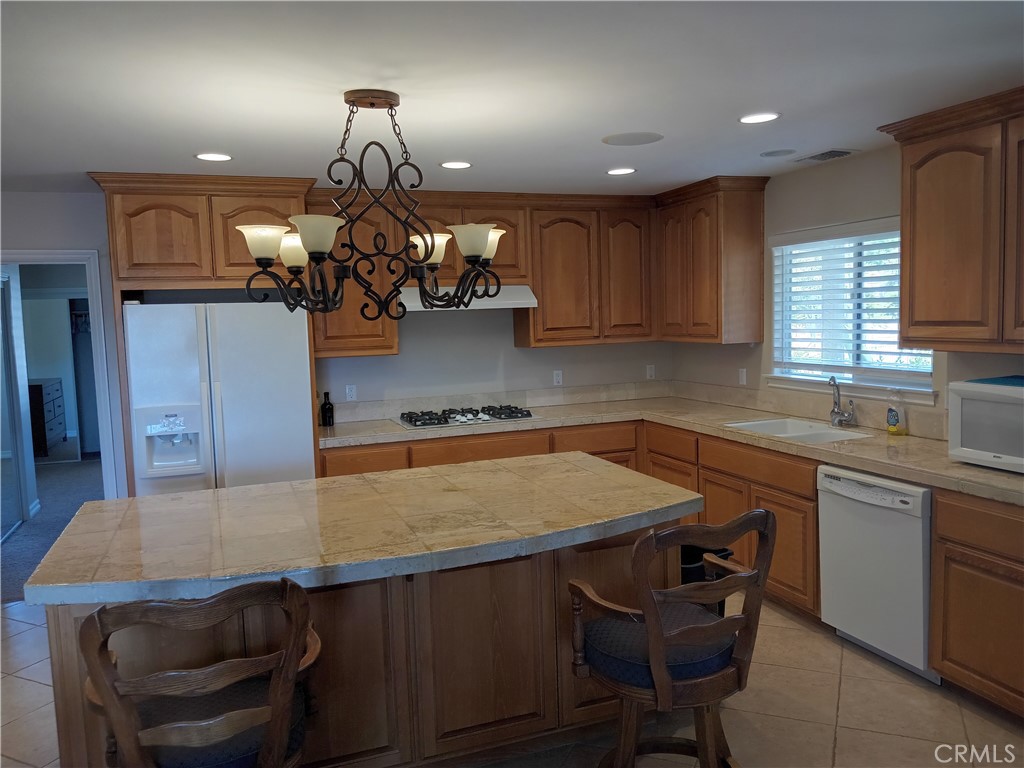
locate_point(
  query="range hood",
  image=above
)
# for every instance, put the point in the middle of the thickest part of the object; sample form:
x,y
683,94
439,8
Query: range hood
x,y
509,297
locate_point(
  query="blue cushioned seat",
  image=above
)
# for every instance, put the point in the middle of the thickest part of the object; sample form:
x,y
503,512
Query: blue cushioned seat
x,y
241,750
618,649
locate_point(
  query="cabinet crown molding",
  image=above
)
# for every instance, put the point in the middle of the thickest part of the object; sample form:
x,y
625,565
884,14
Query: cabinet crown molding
x,y
195,184
998,106
714,184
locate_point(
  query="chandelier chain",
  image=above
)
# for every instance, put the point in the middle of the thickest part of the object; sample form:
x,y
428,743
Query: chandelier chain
x,y
342,150
393,113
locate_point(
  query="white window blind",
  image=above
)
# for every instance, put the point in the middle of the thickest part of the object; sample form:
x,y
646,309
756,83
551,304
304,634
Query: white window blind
x,y
837,305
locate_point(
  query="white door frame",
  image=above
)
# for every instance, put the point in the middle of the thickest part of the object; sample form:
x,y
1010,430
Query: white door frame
x,y
91,261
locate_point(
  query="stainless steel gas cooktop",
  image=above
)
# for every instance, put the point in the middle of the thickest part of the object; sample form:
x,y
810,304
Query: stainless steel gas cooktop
x,y
451,417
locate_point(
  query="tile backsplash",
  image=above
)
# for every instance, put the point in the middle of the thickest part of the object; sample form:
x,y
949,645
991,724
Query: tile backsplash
x,y
923,421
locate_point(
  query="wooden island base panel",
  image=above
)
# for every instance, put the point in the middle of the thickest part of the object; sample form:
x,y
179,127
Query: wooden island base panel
x,y
437,593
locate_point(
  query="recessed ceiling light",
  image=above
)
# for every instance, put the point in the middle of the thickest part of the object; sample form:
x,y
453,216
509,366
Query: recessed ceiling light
x,y
213,157
760,117
632,139
778,153
621,171
456,165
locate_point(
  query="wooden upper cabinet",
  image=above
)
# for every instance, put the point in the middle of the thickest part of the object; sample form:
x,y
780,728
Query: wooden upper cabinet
x,y
511,262
439,218
231,257
1013,257
710,253
961,261
160,235
566,276
701,267
625,273
346,332
951,239
179,230
672,304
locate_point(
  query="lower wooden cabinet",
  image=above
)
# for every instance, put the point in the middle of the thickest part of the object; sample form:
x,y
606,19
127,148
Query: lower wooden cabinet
x,y
735,478
608,570
977,596
681,473
363,630
485,653
726,498
359,459
454,450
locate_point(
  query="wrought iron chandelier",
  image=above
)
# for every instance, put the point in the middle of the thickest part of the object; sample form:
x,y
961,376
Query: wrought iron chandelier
x,y
418,252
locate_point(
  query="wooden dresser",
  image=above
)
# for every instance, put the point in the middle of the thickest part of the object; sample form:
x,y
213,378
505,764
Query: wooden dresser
x,y
46,404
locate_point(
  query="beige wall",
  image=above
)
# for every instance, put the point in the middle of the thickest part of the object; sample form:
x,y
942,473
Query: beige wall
x,y
862,187
38,221
472,352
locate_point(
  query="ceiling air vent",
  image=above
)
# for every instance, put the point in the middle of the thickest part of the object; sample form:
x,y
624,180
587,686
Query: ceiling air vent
x,y
828,154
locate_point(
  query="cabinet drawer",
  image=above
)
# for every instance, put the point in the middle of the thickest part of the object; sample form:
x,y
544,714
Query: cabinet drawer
x,y
52,391
354,461
48,411
760,466
671,441
459,449
597,439
982,523
58,406
55,429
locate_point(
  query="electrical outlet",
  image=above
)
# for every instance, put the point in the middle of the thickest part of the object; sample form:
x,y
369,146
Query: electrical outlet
x,y
350,392
557,378
743,375
650,371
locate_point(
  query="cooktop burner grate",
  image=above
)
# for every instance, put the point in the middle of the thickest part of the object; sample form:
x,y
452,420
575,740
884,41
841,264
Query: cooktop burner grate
x,y
456,416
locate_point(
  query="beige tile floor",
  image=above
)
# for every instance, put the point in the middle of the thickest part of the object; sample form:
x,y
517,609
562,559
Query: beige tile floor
x,y
812,700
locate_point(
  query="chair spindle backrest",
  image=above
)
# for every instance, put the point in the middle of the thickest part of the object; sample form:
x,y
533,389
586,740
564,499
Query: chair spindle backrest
x,y
116,692
752,582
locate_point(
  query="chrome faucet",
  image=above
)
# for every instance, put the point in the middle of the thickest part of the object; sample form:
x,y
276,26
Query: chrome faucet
x,y
840,418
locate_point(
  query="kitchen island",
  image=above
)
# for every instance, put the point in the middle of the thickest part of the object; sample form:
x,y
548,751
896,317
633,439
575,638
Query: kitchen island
x,y
439,594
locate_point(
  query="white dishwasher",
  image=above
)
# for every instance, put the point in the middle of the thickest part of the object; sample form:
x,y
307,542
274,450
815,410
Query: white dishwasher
x,y
874,544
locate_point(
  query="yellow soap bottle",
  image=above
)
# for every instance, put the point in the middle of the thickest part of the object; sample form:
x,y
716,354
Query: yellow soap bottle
x,y
896,414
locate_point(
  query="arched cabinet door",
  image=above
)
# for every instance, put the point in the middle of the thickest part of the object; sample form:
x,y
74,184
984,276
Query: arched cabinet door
x,y
625,273
566,275
345,332
1013,282
671,279
231,257
951,237
702,267
161,235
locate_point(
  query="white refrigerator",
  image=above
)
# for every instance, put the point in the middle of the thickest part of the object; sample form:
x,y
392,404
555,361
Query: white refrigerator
x,y
220,395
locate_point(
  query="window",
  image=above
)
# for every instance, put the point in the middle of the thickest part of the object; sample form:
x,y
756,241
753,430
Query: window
x,y
837,308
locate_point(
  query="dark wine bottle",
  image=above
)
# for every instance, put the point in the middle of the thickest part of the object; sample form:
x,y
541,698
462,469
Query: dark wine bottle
x,y
327,411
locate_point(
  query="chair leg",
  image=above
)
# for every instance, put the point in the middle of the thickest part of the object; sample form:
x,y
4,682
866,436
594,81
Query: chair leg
x,y
712,748
630,721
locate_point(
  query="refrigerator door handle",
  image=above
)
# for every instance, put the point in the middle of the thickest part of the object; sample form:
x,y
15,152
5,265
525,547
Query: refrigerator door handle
x,y
219,459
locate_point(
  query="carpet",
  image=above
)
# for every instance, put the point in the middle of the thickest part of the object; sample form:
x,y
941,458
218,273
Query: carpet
x,y
63,488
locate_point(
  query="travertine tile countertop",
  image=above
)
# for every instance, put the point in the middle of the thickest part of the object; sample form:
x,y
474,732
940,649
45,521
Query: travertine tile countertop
x,y
346,529
912,459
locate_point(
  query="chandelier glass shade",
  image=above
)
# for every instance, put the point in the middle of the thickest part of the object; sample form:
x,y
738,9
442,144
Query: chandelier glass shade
x,y
320,262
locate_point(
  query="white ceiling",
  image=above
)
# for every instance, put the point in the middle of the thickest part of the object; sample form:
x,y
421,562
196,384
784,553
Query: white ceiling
x,y
524,90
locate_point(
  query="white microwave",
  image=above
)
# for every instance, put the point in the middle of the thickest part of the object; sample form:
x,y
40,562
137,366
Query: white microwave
x,y
986,422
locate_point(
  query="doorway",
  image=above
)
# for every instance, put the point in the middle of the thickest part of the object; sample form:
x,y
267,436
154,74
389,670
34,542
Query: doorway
x,y
13,510
66,429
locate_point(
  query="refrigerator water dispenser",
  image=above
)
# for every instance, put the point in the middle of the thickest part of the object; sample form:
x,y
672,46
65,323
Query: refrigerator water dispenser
x,y
172,439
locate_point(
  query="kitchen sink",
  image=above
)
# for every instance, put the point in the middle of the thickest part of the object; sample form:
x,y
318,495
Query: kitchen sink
x,y
798,430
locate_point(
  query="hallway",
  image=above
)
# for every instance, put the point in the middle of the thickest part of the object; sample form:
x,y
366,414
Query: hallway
x,y
63,488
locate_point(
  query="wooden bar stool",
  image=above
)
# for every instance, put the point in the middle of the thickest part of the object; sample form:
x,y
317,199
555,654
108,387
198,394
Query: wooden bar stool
x,y
675,652
236,713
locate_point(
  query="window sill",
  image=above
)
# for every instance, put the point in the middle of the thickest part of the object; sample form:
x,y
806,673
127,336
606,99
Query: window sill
x,y
909,395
